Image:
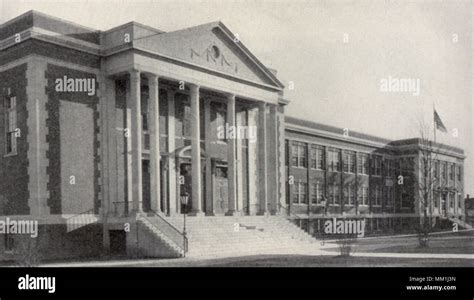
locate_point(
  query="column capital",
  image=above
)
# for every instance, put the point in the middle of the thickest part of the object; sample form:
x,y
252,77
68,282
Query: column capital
x,y
134,74
230,95
193,86
152,76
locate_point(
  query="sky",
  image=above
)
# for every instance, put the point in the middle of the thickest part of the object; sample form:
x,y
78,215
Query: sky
x,y
333,54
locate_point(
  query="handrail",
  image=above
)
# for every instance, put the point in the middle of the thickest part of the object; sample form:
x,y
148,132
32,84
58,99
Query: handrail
x,y
170,231
72,220
288,210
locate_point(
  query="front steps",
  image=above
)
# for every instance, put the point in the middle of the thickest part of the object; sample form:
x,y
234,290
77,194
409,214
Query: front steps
x,y
460,222
228,236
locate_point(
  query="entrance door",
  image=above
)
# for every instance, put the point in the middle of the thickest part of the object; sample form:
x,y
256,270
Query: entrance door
x,y
118,242
221,203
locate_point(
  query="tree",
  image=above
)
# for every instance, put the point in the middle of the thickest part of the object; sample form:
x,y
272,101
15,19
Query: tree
x,y
425,179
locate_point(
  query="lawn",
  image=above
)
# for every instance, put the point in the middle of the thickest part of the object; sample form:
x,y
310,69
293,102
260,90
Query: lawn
x,y
456,243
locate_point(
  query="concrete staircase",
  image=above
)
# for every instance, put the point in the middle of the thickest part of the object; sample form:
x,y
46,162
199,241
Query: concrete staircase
x,y
460,222
159,237
229,236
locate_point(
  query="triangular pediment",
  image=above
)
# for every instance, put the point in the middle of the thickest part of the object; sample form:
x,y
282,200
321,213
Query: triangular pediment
x,y
213,47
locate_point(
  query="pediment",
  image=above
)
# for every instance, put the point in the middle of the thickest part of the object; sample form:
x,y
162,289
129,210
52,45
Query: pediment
x,y
213,47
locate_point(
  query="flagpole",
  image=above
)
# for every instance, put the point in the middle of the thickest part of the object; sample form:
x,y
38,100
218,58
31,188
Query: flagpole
x,y
434,122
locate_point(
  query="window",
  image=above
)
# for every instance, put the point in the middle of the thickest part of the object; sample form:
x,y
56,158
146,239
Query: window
x,y
443,170
299,195
388,196
459,201
436,169
349,162
376,166
334,194
363,192
9,242
349,195
317,157
298,155
10,123
459,173
316,193
377,195
451,172
334,163
362,164
388,168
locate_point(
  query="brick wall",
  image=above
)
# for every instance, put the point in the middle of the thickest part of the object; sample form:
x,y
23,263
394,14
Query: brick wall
x,y
65,146
14,169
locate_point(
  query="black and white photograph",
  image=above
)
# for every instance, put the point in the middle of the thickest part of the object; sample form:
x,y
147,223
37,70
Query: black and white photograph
x,y
170,137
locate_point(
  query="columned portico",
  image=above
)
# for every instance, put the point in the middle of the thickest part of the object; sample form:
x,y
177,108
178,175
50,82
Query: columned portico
x,y
134,104
195,151
154,126
231,157
262,158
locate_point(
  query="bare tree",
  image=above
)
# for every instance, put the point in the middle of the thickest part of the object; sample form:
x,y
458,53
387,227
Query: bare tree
x,y
425,181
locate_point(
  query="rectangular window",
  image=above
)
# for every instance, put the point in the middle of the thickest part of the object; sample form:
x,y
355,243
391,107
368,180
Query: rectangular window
x,y
451,172
364,195
459,173
317,157
349,162
9,242
388,196
349,195
335,194
299,155
376,166
436,169
300,196
10,123
362,164
378,195
316,193
303,194
443,170
334,163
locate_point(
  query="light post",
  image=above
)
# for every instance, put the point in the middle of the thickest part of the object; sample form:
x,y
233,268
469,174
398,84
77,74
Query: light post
x,y
184,201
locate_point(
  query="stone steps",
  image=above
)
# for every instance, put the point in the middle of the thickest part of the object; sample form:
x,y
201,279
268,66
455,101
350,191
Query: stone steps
x,y
242,235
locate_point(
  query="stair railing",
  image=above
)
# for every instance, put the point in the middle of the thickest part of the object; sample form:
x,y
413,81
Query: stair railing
x,y
74,222
169,230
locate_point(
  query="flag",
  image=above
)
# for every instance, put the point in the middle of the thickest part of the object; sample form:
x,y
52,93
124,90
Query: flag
x,y
438,123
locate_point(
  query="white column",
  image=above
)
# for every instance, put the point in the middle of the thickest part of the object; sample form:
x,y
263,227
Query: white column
x,y
195,151
273,160
231,157
172,159
262,157
208,139
136,135
154,118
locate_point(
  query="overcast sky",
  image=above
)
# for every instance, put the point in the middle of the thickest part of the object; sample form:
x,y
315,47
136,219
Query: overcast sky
x,y
335,52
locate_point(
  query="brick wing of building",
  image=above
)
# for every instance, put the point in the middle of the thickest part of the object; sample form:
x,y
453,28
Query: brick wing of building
x,y
106,134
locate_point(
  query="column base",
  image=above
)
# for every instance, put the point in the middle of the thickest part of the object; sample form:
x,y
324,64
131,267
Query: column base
x,y
263,213
209,214
234,213
196,214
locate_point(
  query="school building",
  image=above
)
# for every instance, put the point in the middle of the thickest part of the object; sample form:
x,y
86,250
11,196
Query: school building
x,y
109,137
